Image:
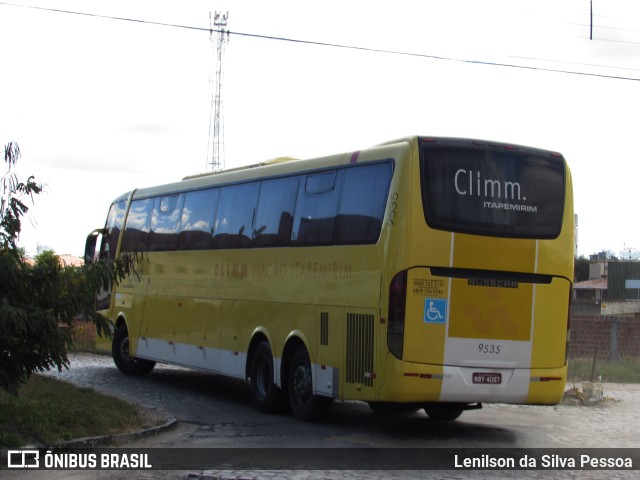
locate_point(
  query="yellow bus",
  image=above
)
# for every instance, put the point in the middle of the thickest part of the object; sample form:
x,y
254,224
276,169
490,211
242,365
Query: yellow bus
x,y
423,273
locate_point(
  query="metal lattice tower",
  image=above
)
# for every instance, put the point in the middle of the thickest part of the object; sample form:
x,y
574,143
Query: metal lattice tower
x,y
215,148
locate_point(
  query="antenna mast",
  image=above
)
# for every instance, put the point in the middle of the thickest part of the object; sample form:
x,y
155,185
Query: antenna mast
x,y
215,147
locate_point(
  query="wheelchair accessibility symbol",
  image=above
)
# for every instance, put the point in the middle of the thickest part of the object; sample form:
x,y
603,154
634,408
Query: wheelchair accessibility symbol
x,y
435,310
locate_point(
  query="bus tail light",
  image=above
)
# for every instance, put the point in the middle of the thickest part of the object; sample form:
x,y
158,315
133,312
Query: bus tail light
x,y
397,304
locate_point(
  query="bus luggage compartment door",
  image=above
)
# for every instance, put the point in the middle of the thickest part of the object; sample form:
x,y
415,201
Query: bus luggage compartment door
x,y
458,318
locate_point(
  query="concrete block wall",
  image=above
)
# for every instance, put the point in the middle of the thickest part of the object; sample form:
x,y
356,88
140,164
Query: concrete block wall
x,y
612,336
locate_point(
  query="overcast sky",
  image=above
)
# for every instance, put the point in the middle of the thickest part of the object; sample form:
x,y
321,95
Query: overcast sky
x,y
102,106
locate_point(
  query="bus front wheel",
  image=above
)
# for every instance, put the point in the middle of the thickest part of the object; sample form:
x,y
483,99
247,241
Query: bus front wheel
x,y
304,404
125,363
266,395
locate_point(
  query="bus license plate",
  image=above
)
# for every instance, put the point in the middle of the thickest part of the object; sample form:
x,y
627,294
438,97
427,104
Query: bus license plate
x,y
487,378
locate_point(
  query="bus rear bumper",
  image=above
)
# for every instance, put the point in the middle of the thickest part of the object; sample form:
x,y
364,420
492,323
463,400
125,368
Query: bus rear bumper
x,y
416,383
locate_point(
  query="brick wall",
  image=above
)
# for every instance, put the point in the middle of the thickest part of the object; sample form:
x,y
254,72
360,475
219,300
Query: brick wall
x,y
613,336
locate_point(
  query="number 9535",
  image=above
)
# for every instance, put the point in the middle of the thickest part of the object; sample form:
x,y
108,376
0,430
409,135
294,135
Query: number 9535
x,y
489,348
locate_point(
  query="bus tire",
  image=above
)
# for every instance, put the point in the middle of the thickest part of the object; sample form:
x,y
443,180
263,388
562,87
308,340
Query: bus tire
x,y
388,409
442,413
304,404
265,394
125,363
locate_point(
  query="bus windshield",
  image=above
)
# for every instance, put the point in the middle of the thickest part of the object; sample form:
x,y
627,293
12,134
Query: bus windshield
x,y
491,190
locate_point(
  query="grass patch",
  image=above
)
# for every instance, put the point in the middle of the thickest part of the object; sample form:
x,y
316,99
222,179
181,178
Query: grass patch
x,y
623,370
48,411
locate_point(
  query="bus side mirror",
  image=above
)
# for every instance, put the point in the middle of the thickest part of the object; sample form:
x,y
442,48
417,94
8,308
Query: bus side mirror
x,y
90,246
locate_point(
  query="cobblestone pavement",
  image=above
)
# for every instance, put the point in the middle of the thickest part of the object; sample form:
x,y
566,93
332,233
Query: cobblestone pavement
x,y
612,424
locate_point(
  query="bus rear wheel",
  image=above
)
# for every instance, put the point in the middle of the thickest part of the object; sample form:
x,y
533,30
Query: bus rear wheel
x,y
125,363
304,404
266,395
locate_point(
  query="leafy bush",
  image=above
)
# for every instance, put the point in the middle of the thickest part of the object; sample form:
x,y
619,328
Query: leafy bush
x,y
38,303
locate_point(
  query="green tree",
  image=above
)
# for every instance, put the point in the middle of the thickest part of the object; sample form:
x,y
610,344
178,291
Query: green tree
x,y
12,200
39,302
581,269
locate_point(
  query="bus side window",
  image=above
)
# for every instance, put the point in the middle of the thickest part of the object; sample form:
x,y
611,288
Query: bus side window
x,y
198,214
274,216
234,219
316,209
362,203
165,221
136,233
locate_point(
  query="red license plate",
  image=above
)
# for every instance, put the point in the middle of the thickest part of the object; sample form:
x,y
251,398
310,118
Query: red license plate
x,y
487,378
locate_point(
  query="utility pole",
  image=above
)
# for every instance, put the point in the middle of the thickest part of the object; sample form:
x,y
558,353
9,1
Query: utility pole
x,y
591,22
215,148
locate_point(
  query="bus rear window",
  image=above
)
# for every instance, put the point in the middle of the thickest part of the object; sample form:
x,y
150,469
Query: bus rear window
x,y
492,191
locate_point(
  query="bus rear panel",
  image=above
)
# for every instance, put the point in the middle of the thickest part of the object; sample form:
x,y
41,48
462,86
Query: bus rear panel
x,y
480,314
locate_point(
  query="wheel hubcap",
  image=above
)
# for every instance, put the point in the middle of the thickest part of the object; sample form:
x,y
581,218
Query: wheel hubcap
x,y
262,379
302,383
124,348
124,351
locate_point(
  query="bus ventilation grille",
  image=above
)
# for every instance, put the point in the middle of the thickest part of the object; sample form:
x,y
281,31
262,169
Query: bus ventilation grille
x,y
360,349
324,328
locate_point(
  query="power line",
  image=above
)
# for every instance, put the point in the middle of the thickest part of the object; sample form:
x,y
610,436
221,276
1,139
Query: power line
x,y
334,45
435,57
574,63
109,17
610,40
603,27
